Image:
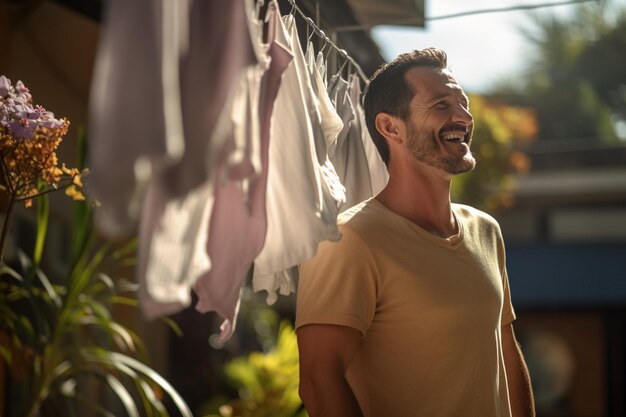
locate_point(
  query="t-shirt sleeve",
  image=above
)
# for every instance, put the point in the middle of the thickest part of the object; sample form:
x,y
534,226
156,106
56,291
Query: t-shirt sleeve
x,y
508,313
338,285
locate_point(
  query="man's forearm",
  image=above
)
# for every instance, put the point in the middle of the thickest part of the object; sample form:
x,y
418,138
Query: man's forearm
x,y
520,390
518,380
329,397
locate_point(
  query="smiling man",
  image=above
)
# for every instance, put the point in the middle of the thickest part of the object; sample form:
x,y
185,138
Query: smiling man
x,y
409,314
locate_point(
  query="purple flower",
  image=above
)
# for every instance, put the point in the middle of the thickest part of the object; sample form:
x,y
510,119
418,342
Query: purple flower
x,y
21,88
51,124
19,106
20,114
34,114
5,86
23,92
22,128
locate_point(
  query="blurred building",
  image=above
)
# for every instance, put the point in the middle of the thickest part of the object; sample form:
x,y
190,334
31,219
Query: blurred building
x,y
566,252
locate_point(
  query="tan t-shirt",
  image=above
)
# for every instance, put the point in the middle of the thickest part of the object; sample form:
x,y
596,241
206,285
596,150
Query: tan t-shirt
x,y
429,309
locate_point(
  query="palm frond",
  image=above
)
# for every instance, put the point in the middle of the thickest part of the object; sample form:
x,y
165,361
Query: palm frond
x,y
122,393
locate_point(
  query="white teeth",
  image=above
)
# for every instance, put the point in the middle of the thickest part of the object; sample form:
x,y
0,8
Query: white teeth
x,y
453,136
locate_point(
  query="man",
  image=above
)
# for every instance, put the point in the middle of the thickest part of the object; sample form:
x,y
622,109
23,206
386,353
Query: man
x,y
409,314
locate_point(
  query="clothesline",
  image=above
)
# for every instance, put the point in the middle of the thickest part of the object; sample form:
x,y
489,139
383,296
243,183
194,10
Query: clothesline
x,y
243,192
319,32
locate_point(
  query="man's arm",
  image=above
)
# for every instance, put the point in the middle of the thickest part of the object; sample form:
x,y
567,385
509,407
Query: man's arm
x,y
518,378
325,354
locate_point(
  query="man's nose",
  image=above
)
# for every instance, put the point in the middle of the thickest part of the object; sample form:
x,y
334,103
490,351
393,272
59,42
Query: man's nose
x,y
462,115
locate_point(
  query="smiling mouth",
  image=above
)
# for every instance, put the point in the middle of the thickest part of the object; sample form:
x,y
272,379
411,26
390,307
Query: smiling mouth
x,y
455,136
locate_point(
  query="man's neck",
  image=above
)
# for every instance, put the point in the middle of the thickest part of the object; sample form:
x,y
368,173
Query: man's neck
x,y
423,197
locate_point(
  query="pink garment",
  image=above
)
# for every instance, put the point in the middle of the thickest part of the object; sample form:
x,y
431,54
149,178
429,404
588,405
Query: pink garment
x,y
220,51
178,205
238,222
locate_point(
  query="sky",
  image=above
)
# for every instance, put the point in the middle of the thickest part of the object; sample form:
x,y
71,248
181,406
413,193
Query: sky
x,y
481,48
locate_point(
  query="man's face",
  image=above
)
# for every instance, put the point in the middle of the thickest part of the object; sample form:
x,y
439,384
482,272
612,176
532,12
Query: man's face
x,y
439,127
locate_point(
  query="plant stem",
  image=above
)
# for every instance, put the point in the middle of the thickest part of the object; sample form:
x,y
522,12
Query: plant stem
x,y
5,226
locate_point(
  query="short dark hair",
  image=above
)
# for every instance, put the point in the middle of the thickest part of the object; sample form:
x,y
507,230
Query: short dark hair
x,y
389,92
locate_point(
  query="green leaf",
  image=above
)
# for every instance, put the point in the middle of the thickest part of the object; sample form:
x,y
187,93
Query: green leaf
x,y
122,393
173,326
83,272
27,326
137,371
156,377
81,262
124,285
127,301
145,399
82,227
127,262
102,284
112,328
43,211
15,293
129,248
151,398
7,270
48,287
6,354
61,369
144,389
83,215
81,148
99,309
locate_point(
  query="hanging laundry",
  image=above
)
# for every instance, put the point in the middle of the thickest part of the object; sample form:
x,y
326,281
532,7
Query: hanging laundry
x,y
377,168
221,147
326,125
331,123
174,227
238,221
157,98
303,192
348,156
134,105
221,52
171,253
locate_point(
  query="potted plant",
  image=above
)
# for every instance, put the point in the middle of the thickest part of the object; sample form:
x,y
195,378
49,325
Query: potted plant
x,y
56,334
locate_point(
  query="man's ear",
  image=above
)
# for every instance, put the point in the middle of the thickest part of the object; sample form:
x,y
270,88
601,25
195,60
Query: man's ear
x,y
391,127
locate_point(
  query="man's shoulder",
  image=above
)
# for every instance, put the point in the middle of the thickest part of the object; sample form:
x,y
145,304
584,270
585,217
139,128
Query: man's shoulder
x,y
355,227
361,217
468,214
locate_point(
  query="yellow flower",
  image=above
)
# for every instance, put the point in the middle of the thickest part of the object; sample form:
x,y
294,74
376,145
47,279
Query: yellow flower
x,y
29,138
73,192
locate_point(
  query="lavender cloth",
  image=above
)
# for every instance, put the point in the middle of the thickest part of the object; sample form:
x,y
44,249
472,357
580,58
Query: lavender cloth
x,y
238,221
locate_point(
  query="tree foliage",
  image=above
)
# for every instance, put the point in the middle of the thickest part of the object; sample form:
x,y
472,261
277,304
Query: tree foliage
x,y
575,77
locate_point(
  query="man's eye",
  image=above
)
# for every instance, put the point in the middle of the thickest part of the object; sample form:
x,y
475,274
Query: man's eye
x,y
442,105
